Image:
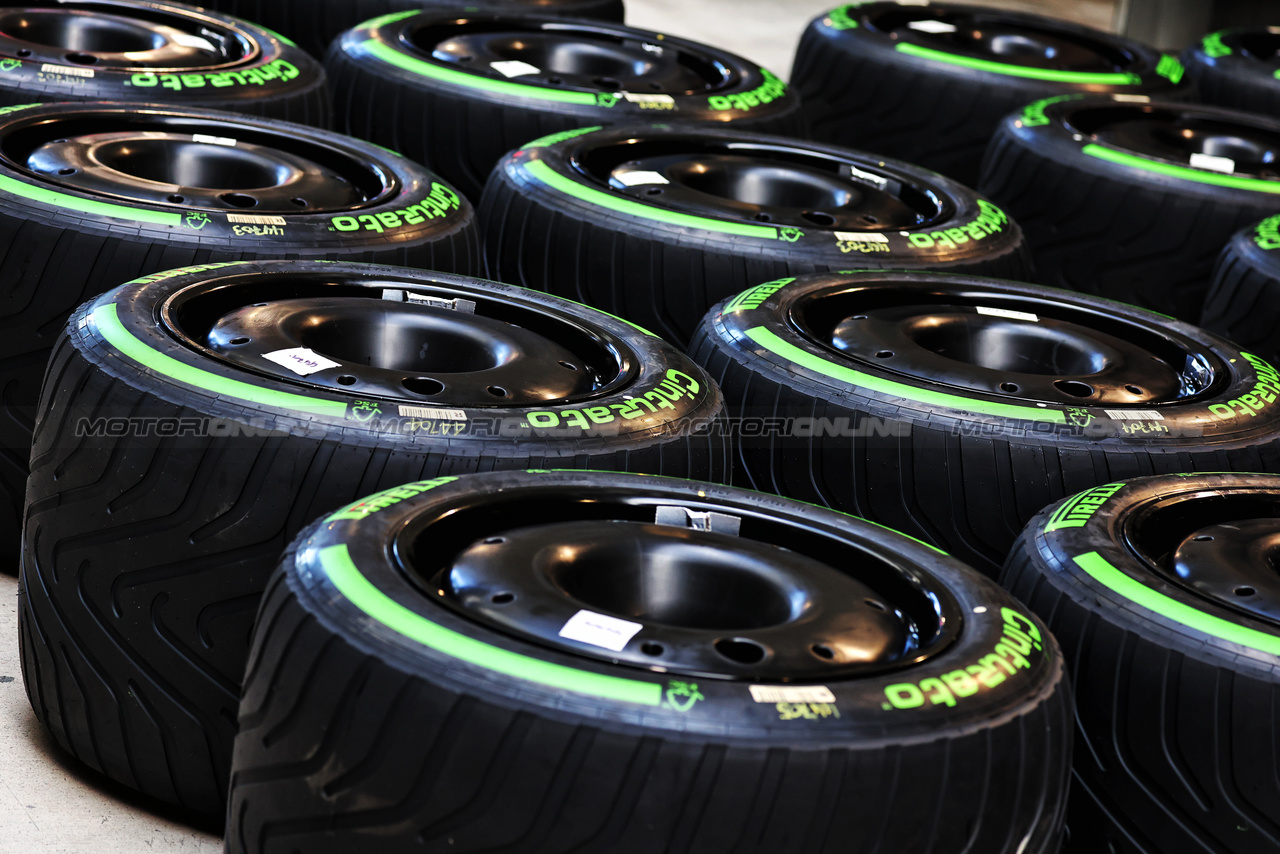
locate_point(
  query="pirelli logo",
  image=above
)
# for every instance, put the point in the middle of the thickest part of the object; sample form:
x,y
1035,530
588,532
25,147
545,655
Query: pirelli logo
x,y
1077,512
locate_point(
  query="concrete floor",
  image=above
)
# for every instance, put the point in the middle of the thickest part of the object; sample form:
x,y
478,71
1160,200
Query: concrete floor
x,y
49,803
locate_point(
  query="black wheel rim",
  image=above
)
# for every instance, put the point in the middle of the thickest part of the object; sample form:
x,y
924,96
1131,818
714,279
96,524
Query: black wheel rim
x,y
105,35
719,592
1222,545
574,56
1015,347
764,182
1183,137
1005,38
175,160
1262,44
399,339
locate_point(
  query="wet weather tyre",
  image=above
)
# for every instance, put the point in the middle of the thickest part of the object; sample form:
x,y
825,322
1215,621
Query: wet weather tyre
x,y
188,431
314,24
658,225
156,53
458,94
929,83
381,714
1237,68
1159,591
1243,303
887,395
1112,204
78,221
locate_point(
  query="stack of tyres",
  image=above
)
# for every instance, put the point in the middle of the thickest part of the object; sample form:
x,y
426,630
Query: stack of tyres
x,y
155,52
929,82
457,93
316,23
1238,68
102,193
194,421
1243,303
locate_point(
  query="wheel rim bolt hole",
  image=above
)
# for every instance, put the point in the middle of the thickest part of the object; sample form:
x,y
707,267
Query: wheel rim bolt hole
x,y
176,199
569,366
238,341
502,598
239,200
653,191
1133,389
884,354
1074,388
1009,387
652,649
821,650
740,650
495,541
302,203
346,379
1203,538
497,391
24,53
763,217
1245,591
879,606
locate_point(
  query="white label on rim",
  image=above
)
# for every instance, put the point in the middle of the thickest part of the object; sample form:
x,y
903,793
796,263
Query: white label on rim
x,y
600,630
213,140
1133,415
792,694
860,237
189,40
302,361
1132,99
1004,312
1213,163
251,219
68,70
639,177
514,68
432,413
665,100
935,27
859,175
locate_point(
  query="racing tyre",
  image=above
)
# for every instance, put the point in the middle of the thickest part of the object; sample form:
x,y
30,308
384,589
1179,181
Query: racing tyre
x,y
459,93
1238,68
155,52
1133,200
1163,594
954,408
96,195
194,421
929,82
1244,302
316,23
658,224
559,661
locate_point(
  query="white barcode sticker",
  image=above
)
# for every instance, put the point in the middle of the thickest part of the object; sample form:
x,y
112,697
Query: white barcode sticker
x,y
302,361
859,175
1133,415
792,694
663,100
1004,312
514,68
600,630
191,40
1213,163
255,219
225,141
640,177
1131,99
860,237
935,27
68,70
432,413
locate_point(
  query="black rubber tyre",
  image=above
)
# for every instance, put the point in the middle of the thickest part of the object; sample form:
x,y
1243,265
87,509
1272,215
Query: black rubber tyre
x,y
558,217
383,717
316,23
877,76
1243,303
155,53
67,238
459,116
1238,68
174,462
954,408
1175,677
1109,204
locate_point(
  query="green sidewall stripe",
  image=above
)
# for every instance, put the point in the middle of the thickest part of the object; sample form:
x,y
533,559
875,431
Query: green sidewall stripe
x,y
1184,172
1099,78
792,353
1135,591
360,592
544,173
75,203
107,319
391,56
